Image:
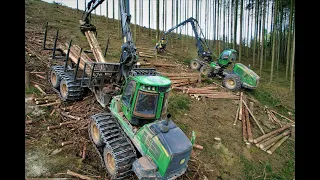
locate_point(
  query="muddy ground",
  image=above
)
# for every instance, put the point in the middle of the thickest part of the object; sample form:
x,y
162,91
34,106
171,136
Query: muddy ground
x,y
45,157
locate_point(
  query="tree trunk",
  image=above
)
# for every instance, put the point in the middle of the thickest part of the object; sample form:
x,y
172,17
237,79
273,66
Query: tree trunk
x,y
292,59
274,38
240,42
248,10
266,36
149,8
114,25
231,24
289,39
259,36
158,19
263,34
135,21
255,33
235,25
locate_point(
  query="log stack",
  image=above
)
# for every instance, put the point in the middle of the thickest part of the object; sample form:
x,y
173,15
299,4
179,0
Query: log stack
x,y
210,92
182,79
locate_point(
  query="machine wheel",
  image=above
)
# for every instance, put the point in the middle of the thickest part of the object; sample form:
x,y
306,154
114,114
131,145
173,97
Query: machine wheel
x,y
194,64
109,161
55,79
70,90
117,152
205,70
232,82
95,134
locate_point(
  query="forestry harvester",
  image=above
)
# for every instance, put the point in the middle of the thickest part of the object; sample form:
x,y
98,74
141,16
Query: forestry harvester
x,y
240,76
135,134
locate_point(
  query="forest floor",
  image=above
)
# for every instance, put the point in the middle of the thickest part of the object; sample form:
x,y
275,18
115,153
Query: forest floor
x,y
44,156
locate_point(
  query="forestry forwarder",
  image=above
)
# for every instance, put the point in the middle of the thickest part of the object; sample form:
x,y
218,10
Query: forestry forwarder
x,y
137,134
240,76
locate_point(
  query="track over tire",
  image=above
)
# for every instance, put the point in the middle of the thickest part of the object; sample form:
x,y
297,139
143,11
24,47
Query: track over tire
x,y
205,70
70,90
232,82
95,134
195,65
54,77
117,152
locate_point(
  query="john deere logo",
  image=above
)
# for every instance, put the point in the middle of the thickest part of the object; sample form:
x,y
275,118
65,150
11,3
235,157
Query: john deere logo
x,y
182,161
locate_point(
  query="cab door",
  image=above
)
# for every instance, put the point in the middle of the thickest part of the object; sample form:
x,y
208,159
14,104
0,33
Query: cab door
x,y
127,98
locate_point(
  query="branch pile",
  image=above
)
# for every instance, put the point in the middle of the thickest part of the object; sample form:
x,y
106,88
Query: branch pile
x,y
267,142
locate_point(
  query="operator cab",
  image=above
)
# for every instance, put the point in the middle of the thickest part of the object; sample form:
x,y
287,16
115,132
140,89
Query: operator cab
x,y
145,99
227,57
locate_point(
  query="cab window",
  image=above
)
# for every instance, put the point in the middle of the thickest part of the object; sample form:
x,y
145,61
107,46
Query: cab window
x,y
128,93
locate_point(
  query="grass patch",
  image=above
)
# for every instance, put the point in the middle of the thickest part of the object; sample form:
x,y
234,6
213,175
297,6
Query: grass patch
x,y
32,90
178,103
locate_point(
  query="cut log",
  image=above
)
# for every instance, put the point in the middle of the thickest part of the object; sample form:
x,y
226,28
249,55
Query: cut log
x,y
282,116
185,83
27,79
70,116
183,80
272,132
240,112
293,132
53,127
266,139
38,87
179,74
244,128
78,175
250,138
33,72
236,119
164,65
255,120
66,143
52,112
198,146
40,76
187,77
49,104
268,147
278,144
66,123
34,82
29,122
275,139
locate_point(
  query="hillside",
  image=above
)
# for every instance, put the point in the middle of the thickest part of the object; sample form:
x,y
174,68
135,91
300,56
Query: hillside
x,y
209,119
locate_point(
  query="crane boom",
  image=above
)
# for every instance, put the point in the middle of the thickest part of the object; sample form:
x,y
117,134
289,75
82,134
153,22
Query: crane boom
x,y
201,43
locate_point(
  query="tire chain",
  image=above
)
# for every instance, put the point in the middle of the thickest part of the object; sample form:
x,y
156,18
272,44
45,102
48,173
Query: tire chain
x,y
116,140
67,76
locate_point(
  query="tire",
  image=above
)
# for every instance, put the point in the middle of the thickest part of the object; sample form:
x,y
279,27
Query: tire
x,y
64,89
55,79
205,70
109,162
232,82
95,134
195,65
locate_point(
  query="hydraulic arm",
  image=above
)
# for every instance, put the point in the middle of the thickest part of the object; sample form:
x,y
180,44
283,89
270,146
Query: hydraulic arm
x,y
201,43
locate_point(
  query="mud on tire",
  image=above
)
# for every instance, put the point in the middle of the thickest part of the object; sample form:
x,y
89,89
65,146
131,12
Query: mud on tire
x,y
232,82
195,64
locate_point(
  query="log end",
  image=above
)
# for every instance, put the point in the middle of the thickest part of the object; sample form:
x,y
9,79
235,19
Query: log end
x,y
269,152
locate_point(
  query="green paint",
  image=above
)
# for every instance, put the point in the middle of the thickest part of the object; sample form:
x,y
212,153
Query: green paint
x,y
248,77
153,80
143,139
